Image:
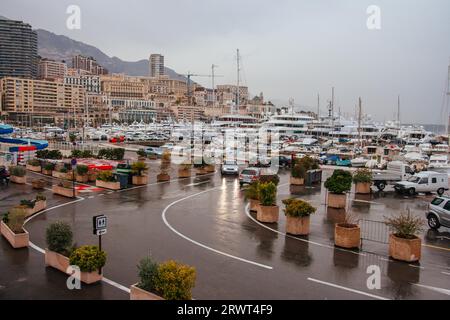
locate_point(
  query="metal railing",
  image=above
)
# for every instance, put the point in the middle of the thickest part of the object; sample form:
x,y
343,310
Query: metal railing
x,y
375,231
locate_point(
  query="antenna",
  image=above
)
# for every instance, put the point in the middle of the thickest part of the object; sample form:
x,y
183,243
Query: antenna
x,y
398,110
359,121
318,106
213,66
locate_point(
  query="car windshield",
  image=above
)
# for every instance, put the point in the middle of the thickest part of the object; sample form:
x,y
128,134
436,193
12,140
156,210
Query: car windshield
x,y
230,163
414,179
249,172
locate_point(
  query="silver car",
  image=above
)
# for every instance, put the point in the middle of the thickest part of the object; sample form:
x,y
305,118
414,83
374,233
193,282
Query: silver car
x,y
230,168
249,175
439,213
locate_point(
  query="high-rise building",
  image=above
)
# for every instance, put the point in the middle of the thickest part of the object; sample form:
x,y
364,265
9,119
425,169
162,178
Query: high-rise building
x,y
18,49
156,63
89,64
50,69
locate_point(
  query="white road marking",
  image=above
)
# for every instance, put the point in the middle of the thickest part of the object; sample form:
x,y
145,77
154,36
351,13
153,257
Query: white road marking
x,y
247,212
418,267
446,273
35,247
201,244
440,290
90,197
196,184
348,289
52,208
115,284
365,201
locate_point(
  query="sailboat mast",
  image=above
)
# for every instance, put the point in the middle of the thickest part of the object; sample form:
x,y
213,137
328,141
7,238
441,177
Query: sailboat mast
x,y
359,121
238,79
318,106
398,110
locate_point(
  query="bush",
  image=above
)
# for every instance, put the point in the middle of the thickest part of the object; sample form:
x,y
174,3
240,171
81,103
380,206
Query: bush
x,y
141,153
252,191
34,162
87,154
362,176
28,203
81,154
405,225
88,258
175,281
15,219
267,193
302,166
63,170
49,154
165,162
270,178
59,237
111,153
298,208
18,171
138,168
339,182
82,169
106,175
40,197
49,166
148,273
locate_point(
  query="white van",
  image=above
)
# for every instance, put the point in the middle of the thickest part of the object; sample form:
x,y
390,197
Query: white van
x,y
425,181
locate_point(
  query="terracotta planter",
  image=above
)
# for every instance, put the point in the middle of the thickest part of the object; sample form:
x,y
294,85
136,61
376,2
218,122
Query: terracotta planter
x,y
139,180
298,226
362,187
38,184
137,293
296,181
267,214
38,206
33,168
210,168
184,173
141,159
47,172
153,157
82,179
254,205
18,180
337,201
56,260
108,185
90,277
62,175
66,192
92,177
19,240
408,250
200,171
162,177
347,236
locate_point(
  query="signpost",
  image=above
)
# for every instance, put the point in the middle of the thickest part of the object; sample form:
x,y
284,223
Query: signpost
x,y
73,162
99,224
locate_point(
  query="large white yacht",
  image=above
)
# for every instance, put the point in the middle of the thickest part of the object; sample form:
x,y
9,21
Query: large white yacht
x,y
288,124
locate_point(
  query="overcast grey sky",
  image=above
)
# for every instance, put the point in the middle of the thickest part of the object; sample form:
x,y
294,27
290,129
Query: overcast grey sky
x,y
289,49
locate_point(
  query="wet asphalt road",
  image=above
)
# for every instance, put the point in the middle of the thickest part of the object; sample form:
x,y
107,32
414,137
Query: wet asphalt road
x,y
202,221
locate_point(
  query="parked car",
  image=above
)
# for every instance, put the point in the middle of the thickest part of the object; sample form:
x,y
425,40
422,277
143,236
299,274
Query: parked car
x,y
154,151
230,167
249,175
396,171
439,213
425,181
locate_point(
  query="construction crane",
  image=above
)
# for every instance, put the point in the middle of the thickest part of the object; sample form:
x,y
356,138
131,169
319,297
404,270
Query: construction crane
x,y
189,75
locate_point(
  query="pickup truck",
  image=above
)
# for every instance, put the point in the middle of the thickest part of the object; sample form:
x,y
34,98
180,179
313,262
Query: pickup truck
x,y
396,171
425,181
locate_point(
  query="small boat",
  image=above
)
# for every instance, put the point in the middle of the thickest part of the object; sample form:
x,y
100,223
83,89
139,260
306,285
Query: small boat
x,y
359,162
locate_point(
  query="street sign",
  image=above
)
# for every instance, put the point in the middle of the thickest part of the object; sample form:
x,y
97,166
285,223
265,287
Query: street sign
x,y
99,224
73,162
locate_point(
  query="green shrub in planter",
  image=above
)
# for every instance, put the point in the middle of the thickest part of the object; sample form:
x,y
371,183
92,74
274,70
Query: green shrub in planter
x,y
82,170
405,225
59,238
49,166
298,208
40,197
267,194
88,258
270,178
148,273
27,203
252,191
141,153
302,166
49,154
34,162
18,171
339,182
138,168
63,170
76,153
175,281
15,219
362,176
106,175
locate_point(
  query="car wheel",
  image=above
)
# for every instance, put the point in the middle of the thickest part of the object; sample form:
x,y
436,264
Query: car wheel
x,y
440,191
381,186
411,191
433,222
